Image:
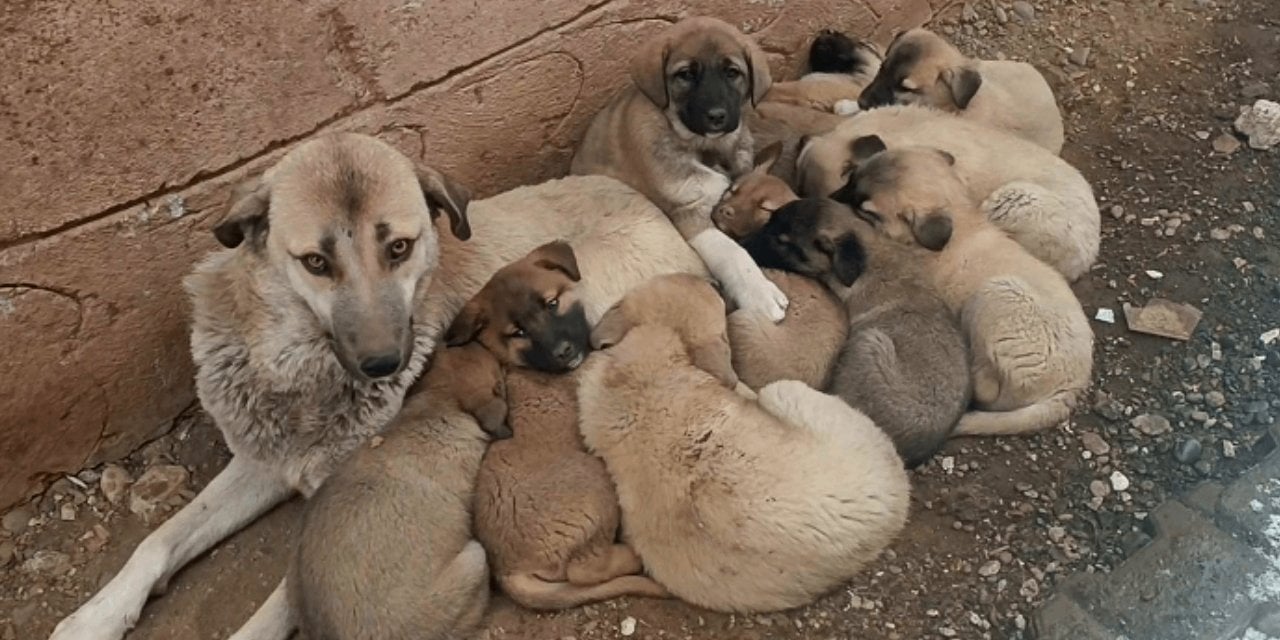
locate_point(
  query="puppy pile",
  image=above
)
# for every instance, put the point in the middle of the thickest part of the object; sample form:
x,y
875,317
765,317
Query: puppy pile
x,y
699,367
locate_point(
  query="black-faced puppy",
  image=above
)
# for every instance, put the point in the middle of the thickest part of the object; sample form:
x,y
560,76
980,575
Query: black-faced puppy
x,y
923,68
528,313
676,136
386,549
905,363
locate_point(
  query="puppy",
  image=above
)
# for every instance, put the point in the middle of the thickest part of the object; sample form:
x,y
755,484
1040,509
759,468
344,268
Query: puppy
x,y
905,363
545,509
753,197
676,136
1034,196
385,549
733,505
923,68
802,347
1032,348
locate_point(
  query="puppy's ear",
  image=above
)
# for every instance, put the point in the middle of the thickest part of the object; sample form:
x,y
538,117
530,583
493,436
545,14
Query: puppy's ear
x,y
246,217
933,232
557,256
649,71
613,326
767,157
865,147
714,358
492,417
442,192
951,160
963,82
848,259
757,69
470,321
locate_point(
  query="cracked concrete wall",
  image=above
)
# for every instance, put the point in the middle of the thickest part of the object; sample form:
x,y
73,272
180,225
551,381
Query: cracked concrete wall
x,y
125,126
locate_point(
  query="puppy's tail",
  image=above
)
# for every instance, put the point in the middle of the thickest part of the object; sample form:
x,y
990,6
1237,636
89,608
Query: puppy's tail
x,y
1042,415
533,592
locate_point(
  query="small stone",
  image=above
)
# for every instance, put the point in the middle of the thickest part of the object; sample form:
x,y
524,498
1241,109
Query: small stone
x,y
1024,10
1219,234
628,626
1020,622
1002,16
1154,275
1228,449
1119,481
1105,315
1094,443
1261,123
16,521
1200,416
7,551
49,563
1226,144
1259,233
1099,489
947,632
989,568
156,488
1267,619
1203,135
115,482
1151,424
1079,56
1269,336
1248,207
968,13
67,513
1030,589
1117,211
948,464
1215,399
1057,534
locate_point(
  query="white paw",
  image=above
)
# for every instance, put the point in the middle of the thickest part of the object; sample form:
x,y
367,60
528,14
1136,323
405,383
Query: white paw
x,y
762,296
846,107
98,619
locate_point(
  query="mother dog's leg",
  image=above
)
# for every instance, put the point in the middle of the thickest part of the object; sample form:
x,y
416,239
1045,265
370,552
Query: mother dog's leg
x,y
727,260
274,620
244,490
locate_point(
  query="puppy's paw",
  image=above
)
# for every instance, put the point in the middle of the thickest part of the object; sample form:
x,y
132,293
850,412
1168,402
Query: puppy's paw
x,y
846,107
762,296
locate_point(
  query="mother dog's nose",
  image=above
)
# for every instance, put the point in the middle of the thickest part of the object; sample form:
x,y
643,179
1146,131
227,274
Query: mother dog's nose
x,y
380,366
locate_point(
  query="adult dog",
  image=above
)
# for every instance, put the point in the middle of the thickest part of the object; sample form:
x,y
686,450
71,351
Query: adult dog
x,y
677,136
334,287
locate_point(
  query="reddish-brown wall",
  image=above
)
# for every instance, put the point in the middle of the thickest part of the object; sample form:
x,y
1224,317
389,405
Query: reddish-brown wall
x,y
122,126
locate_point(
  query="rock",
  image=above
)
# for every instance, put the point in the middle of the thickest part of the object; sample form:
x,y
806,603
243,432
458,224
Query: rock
x,y
968,13
1226,144
67,513
1200,416
115,482
1219,234
1215,399
1094,443
1267,619
1024,11
1002,16
1117,211
628,626
1165,318
15,521
7,551
1056,534
1151,424
1099,489
989,568
48,563
1228,449
1079,56
1255,90
1261,123
156,488
1119,481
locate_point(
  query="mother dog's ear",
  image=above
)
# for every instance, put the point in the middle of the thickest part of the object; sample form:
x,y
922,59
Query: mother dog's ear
x,y
246,217
757,69
649,71
442,192
470,321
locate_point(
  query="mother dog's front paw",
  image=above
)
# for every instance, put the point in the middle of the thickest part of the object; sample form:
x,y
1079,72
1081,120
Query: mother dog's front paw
x,y
94,621
763,296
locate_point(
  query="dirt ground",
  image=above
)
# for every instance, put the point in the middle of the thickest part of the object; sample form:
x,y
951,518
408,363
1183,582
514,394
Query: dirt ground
x,y
1147,88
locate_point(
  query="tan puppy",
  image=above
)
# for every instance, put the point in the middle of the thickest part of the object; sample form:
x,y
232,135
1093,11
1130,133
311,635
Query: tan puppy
x,y
734,505
802,347
922,68
905,363
385,549
1031,344
545,509
1034,196
677,136
753,197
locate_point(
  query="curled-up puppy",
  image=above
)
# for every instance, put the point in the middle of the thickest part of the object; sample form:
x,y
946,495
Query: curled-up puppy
x,y
545,509
1031,344
386,548
922,68
905,363
802,347
733,504
1036,197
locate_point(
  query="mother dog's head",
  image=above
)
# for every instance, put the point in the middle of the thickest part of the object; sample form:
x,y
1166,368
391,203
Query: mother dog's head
x,y
345,223
700,72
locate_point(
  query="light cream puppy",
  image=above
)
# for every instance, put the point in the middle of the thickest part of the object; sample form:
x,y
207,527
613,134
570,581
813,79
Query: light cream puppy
x,y
733,504
1036,197
922,68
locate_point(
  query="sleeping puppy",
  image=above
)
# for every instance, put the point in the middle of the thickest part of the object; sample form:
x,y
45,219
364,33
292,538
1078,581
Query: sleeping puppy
x,y
677,136
923,68
905,363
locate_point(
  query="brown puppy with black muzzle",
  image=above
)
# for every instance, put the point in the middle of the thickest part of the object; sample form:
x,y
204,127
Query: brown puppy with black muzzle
x,y
545,509
922,68
905,363
1031,344
385,549
677,135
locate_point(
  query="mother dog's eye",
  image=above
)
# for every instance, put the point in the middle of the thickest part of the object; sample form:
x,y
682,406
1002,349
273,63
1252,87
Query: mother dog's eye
x,y
315,264
399,250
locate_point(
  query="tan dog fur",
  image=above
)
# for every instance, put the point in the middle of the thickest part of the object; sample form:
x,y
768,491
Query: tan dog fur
x,y
753,197
1031,344
385,549
922,68
734,505
644,138
802,347
1036,197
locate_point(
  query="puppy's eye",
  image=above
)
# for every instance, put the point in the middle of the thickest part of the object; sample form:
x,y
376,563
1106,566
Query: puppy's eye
x,y
869,216
732,73
399,250
553,303
517,333
315,264
686,74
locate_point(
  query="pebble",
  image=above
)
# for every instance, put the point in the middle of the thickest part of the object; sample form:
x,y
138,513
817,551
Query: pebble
x,y
7,551
1219,234
1024,10
628,626
1228,449
1080,56
50,563
948,464
1117,211
1261,123
1099,489
115,482
156,487
15,521
1002,16
947,632
1151,424
68,512
1094,443
1215,399
989,568
1119,481
1226,144
1056,534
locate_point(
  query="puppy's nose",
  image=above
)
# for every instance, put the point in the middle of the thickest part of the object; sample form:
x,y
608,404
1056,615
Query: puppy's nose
x,y
565,352
380,366
717,116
